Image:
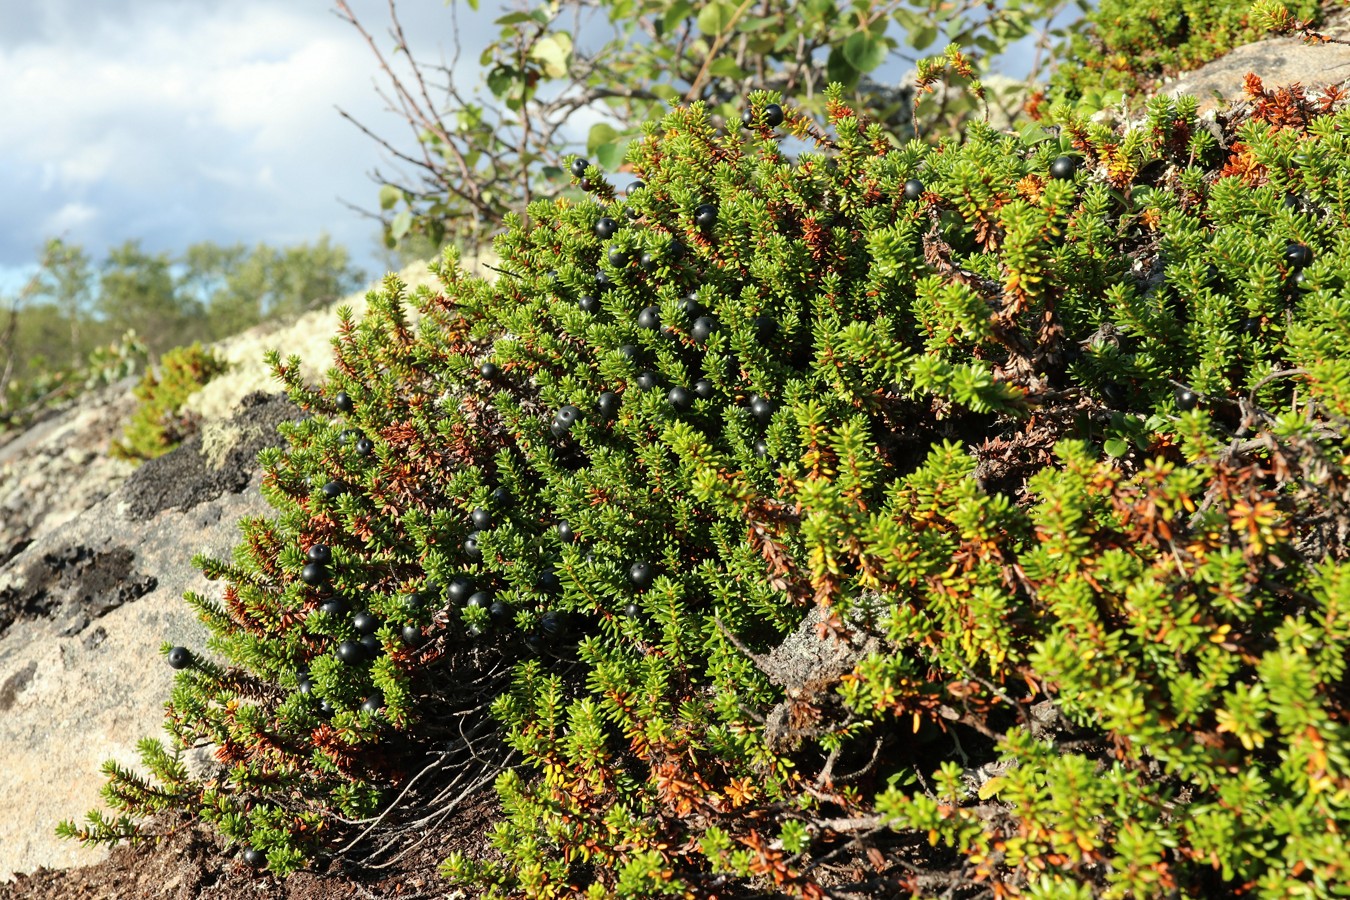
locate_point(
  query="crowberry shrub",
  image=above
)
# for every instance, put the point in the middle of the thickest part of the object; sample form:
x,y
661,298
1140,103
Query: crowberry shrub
x,y
987,549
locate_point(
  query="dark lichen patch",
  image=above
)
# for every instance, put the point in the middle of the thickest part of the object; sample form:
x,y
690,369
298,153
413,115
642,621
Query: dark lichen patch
x,y
195,474
15,685
75,582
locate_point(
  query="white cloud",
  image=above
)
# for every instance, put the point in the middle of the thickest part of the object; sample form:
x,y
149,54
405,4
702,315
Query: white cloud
x,y
173,122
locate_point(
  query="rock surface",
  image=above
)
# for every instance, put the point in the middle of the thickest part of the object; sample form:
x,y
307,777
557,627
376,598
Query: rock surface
x,y
84,610
1279,61
95,556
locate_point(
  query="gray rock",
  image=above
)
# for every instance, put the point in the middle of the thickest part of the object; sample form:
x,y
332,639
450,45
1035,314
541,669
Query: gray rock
x,y
1279,61
84,610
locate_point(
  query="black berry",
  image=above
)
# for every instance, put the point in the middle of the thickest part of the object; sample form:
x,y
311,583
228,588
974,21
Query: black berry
x,y
692,308
628,351
747,117
319,553
641,575
364,447
334,607
481,519
579,166
370,644
334,489
632,610
501,497
1064,167
553,625
350,652
489,371
619,258
602,279
913,189
605,228
705,216
608,404
647,381
566,417
649,318
313,573
460,589
255,859
1298,255
705,389
479,600
773,115
762,409
365,623
547,582
761,449
680,398
343,402
766,329
411,634
500,613
304,686
565,532
648,260
180,658
471,548
588,303
374,703
1113,393
636,186
702,327
1186,399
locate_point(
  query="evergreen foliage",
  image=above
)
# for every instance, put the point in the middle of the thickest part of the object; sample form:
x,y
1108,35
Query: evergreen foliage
x,y
159,424
994,542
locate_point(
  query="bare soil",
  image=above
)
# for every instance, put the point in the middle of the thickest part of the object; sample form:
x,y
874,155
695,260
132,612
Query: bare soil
x,y
191,863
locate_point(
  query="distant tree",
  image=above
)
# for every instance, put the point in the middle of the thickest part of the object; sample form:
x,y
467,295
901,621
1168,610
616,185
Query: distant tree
x,y
66,281
238,287
137,290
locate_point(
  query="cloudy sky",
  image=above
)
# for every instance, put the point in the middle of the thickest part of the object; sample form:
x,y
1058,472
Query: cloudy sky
x,y
174,121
